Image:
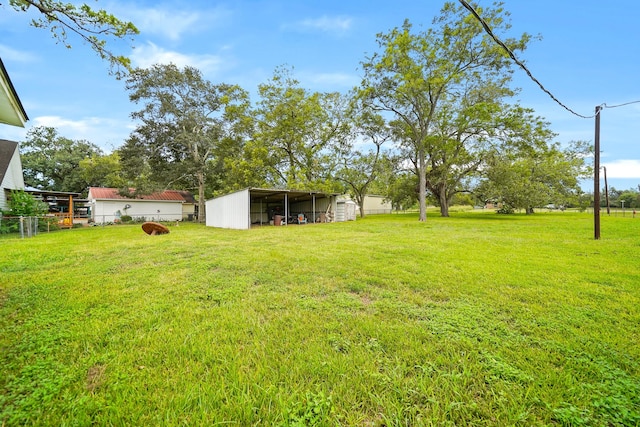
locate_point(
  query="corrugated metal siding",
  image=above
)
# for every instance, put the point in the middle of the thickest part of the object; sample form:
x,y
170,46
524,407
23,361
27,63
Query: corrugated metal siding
x,y
229,211
376,205
112,194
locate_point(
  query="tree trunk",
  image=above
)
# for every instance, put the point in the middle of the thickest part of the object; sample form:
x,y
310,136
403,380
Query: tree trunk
x,y
444,202
360,200
202,215
422,190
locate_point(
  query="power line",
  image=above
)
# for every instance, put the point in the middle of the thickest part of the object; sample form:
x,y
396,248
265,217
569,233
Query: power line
x,y
513,56
620,105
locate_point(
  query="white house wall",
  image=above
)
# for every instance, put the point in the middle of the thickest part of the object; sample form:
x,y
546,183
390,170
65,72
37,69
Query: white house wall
x,y
152,210
13,179
229,211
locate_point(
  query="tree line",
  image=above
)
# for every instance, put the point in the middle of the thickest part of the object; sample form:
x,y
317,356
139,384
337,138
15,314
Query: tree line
x,y
434,120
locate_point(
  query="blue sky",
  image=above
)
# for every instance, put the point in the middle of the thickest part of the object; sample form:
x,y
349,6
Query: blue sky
x,y
589,54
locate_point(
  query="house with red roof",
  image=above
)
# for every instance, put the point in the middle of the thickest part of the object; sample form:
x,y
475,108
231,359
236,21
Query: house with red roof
x,y
109,205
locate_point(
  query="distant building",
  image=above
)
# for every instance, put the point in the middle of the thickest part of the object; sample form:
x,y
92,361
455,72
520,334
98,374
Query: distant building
x,y
374,205
107,205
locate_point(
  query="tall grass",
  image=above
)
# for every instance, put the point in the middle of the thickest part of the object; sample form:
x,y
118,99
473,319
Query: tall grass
x,y
477,319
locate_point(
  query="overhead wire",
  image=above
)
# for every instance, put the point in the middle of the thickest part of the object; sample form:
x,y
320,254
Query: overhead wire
x,y
489,31
620,105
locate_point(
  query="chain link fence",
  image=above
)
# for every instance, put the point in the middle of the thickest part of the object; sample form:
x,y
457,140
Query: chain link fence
x,y
26,226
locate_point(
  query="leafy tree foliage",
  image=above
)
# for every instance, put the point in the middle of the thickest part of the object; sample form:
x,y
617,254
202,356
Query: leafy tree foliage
x,y
24,204
401,190
92,26
295,130
631,197
531,178
361,157
185,120
443,87
102,170
51,162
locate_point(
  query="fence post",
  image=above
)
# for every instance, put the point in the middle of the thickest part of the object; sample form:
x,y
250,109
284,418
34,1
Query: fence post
x,y
22,227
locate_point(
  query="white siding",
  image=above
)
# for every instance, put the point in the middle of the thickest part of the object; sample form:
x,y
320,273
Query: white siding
x,y
229,211
13,178
151,210
346,211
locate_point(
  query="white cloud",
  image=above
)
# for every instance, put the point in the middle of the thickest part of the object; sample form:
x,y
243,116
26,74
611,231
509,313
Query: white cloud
x,y
165,23
172,23
623,169
9,54
150,54
337,25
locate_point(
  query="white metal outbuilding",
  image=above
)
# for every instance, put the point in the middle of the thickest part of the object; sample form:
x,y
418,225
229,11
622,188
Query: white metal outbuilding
x,y
261,206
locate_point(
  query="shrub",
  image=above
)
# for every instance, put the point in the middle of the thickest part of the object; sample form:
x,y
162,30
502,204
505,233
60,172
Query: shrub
x,y
24,204
505,210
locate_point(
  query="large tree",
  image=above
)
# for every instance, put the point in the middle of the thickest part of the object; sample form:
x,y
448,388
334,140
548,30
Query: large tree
x,y
95,27
431,82
102,170
295,129
51,162
185,119
535,176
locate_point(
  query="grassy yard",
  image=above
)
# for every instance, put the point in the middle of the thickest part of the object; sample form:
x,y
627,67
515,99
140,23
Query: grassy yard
x,y
477,319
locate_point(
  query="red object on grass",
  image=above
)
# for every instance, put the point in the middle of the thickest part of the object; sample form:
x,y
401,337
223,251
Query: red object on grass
x,y
153,228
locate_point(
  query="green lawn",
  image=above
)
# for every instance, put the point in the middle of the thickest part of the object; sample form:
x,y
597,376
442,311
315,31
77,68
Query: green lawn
x,y
477,319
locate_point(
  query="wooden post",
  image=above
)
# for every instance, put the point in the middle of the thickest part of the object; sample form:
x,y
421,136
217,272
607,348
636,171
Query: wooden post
x,y
596,178
70,211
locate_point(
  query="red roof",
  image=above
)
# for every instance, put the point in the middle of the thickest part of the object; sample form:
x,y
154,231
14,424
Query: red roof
x,y
112,194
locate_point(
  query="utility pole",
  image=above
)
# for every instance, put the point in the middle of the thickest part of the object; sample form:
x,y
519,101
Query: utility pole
x,y
596,178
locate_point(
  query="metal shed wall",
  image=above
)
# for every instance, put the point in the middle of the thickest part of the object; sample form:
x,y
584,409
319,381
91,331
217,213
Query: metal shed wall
x,y
376,205
229,211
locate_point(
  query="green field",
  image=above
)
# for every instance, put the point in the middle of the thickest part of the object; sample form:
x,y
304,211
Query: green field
x,y
477,319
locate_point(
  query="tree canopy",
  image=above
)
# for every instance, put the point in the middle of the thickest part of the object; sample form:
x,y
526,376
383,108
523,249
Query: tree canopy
x,y
444,88
52,162
535,176
184,120
294,131
94,27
